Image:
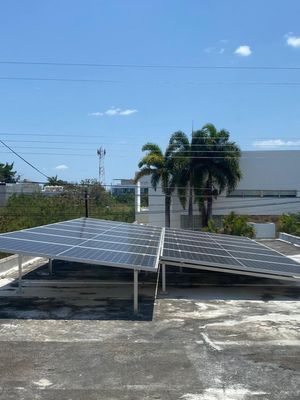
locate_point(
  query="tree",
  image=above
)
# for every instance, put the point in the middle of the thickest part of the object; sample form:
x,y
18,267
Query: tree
x,y
160,166
54,181
7,174
218,160
189,176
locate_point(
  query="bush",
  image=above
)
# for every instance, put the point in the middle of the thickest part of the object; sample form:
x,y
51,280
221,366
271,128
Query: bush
x,y
233,224
26,211
290,223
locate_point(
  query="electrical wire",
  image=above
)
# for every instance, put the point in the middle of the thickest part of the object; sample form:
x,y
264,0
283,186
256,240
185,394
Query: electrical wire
x,y
78,80
23,159
152,66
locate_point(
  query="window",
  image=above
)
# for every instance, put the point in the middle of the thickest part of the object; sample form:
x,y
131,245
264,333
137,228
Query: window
x,y
263,193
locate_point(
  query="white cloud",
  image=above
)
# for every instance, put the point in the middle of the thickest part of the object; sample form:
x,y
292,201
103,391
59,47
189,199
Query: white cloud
x,y
96,114
221,51
243,51
209,50
276,143
293,41
61,167
111,112
128,112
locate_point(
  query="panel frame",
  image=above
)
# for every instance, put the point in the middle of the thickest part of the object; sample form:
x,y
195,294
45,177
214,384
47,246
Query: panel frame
x,y
227,268
62,257
162,241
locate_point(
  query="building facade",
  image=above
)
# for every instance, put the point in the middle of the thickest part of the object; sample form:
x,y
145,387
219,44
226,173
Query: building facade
x,y
270,186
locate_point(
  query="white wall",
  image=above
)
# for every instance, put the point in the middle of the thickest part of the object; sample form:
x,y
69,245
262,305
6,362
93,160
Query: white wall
x,y
270,170
262,170
9,189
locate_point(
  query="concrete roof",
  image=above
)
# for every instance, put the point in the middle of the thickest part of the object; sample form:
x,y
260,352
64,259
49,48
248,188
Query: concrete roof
x,y
213,337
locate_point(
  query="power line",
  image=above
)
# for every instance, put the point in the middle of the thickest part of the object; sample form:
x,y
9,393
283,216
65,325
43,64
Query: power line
x,y
23,78
152,66
206,83
117,155
50,134
23,159
75,134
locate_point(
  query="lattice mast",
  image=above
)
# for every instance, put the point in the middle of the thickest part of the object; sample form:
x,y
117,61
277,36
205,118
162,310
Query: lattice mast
x,y
101,155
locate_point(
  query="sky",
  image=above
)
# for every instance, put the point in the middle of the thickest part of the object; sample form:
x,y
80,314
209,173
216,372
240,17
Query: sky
x,y
56,116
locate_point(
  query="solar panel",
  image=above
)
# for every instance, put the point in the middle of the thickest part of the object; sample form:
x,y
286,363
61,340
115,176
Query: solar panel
x,y
89,240
229,253
142,247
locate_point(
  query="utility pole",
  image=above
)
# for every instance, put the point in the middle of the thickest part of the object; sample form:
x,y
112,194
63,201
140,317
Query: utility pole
x,y
86,203
101,154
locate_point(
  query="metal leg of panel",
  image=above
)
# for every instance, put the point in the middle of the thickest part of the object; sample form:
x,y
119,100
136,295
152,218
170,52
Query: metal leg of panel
x,y
135,291
20,260
163,278
50,269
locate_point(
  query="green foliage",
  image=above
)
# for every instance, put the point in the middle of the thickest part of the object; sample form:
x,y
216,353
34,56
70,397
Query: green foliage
x,y
204,167
160,166
218,161
211,227
54,181
234,224
290,223
25,211
7,174
125,198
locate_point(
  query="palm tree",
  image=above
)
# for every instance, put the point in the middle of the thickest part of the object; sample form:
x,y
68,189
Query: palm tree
x,y
54,181
161,168
189,177
218,160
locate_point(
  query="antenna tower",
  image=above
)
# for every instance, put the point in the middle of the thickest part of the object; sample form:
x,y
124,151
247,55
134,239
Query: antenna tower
x,y
101,154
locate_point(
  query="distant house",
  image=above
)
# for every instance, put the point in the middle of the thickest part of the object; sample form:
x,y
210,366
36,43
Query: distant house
x,y
270,186
9,189
122,186
52,190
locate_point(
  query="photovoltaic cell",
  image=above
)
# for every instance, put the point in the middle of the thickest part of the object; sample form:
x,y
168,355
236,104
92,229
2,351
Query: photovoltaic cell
x,y
230,253
89,240
139,246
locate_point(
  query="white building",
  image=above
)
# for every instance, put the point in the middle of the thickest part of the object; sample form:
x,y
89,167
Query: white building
x,y
270,186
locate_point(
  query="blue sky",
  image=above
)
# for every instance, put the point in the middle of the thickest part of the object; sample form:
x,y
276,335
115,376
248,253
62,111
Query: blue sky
x,y
122,108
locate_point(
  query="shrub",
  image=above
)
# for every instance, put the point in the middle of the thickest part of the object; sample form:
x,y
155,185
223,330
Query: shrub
x,y
233,224
290,223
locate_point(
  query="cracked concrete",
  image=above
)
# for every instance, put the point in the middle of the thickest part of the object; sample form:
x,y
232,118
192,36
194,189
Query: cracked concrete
x,y
213,337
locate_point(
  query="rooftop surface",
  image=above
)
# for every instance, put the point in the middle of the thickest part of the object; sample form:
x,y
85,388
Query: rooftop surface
x,y
212,337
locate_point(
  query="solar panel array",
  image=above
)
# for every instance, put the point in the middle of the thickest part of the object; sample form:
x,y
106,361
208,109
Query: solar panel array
x,y
89,240
226,252
142,247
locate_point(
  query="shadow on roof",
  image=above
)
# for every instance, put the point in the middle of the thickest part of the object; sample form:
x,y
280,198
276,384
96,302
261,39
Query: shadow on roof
x,y
78,292
205,285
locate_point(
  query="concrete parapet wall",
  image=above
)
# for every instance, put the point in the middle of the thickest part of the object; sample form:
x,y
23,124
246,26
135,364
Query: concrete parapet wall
x,y
289,238
10,262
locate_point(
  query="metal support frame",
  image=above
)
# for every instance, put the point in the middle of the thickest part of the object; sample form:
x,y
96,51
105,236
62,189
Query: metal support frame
x,y
135,291
163,277
50,269
20,261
